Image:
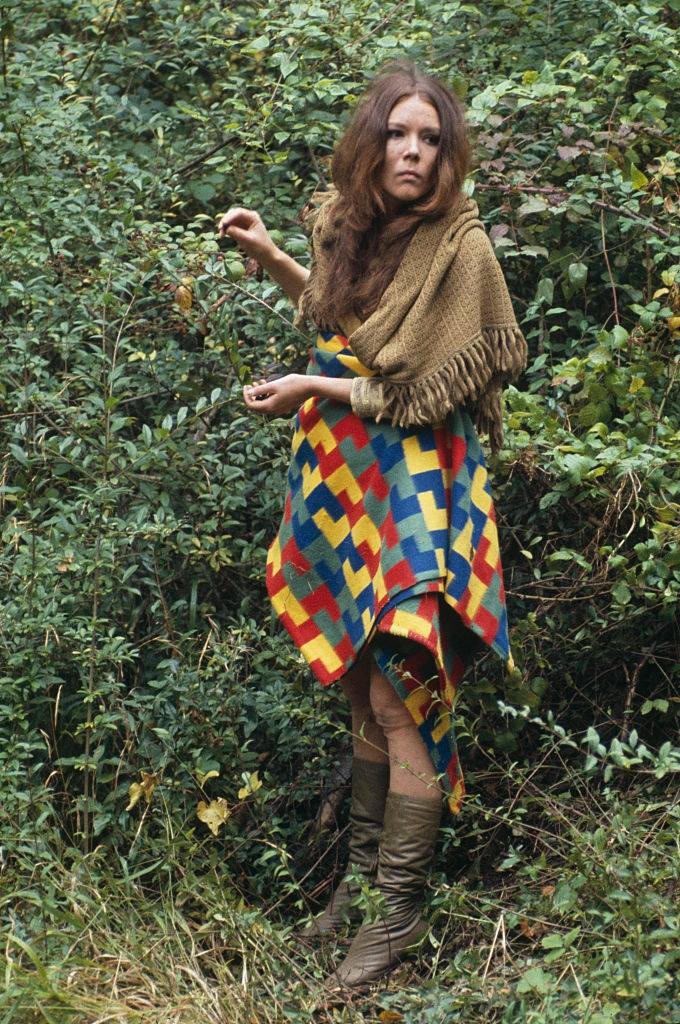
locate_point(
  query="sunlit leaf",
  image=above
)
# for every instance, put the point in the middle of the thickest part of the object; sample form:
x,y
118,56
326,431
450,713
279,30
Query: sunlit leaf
x,y
252,784
213,814
183,297
141,789
637,178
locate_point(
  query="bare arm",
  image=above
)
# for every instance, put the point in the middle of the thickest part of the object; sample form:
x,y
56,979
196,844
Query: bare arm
x,y
250,234
286,394
287,272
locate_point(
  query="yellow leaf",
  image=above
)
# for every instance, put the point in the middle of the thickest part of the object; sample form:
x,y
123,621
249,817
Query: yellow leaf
x,y
674,323
144,788
637,178
213,814
252,784
202,777
135,793
635,385
660,291
183,297
527,79
390,1017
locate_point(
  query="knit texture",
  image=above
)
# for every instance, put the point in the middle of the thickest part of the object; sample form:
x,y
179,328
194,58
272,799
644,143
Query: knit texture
x,y
444,333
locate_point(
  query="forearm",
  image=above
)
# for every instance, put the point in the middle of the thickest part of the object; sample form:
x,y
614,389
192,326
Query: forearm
x,y
364,394
286,394
287,272
339,389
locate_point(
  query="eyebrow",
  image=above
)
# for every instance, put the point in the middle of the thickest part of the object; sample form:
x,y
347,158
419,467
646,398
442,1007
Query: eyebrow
x,y
426,128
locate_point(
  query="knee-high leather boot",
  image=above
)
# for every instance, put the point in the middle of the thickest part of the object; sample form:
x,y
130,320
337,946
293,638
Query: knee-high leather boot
x,y
406,851
370,782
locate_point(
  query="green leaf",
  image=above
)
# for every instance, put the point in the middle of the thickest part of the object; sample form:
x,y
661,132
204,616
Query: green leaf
x,y
535,204
202,191
19,454
259,44
621,593
578,274
536,980
545,291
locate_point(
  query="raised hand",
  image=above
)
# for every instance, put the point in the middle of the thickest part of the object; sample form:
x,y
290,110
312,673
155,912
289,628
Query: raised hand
x,y
248,231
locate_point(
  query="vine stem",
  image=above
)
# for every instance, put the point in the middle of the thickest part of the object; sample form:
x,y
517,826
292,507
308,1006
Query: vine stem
x,y
609,269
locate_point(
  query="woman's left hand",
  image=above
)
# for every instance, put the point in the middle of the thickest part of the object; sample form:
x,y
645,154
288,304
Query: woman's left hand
x,y
278,397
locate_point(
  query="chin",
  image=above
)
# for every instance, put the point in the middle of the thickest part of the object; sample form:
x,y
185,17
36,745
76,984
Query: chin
x,y
407,193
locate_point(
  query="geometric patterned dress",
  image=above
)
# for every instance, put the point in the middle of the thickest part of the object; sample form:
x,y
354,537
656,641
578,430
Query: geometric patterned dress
x,y
389,537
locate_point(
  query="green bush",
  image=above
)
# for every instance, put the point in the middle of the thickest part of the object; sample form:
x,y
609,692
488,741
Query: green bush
x,y
143,676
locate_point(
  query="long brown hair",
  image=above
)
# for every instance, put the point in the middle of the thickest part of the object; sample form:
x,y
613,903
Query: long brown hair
x,y
370,243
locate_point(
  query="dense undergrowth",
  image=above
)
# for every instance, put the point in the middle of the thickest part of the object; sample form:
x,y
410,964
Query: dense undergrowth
x,y
144,681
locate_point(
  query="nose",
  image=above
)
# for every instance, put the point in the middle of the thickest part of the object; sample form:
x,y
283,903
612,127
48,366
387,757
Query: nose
x,y
412,148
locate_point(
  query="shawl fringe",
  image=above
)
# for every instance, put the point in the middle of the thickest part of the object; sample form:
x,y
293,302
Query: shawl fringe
x,y
473,376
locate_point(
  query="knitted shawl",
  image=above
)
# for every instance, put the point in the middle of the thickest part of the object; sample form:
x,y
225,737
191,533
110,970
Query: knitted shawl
x,y
444,332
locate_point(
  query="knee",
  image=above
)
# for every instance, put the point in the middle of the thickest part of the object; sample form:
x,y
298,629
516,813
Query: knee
x,y
388,707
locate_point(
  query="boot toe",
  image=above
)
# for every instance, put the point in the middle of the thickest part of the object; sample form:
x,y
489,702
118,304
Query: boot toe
x,y
374,952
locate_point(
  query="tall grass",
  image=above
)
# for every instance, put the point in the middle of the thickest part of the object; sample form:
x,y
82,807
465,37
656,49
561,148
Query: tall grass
x,y
559,904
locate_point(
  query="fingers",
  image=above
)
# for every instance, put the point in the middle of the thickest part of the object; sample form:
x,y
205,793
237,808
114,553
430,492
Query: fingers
x,y
264,397
255,394
237,217
277,398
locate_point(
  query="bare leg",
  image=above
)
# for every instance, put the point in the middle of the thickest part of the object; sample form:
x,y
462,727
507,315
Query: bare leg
x,y
370,782
369,743
411,770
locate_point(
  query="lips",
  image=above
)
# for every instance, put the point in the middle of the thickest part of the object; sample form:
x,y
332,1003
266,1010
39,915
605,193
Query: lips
x,y
409,175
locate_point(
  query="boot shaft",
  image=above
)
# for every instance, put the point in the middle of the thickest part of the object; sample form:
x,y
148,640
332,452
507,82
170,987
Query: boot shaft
x,y
407,845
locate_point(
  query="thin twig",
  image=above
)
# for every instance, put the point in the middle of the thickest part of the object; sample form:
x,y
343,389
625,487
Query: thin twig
x,y
564,196
609,270
99,43
632,679
493,945
193,164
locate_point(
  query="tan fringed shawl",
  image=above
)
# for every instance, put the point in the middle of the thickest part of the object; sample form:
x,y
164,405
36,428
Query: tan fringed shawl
x,y
444,332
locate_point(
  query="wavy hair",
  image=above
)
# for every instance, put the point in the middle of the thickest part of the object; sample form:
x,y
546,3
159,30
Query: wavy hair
x,y
369,241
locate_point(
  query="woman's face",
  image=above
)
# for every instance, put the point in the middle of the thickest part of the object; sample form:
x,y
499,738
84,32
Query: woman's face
x,y
411,149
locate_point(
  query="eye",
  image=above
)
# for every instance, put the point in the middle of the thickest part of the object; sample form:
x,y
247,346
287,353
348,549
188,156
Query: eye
x,y
394,133
432,140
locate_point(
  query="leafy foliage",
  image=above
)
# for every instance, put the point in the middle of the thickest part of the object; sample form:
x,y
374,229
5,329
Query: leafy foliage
x,y
159,736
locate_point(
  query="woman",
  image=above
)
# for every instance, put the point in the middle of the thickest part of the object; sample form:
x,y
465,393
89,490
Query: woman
x,y
385,570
